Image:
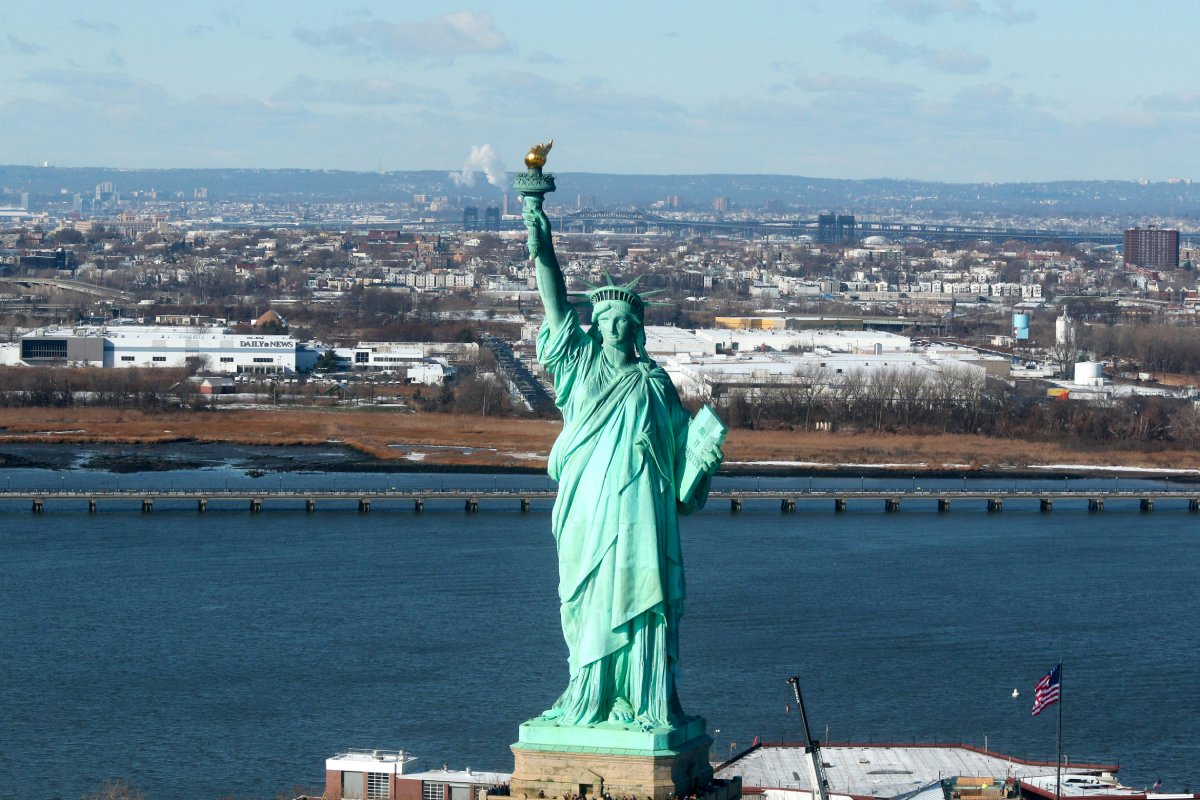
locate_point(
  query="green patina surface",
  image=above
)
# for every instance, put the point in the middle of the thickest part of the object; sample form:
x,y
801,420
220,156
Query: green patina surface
x,y
613,738
622,464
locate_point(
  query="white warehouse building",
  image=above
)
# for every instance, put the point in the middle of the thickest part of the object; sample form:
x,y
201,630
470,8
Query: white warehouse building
x,y
213,349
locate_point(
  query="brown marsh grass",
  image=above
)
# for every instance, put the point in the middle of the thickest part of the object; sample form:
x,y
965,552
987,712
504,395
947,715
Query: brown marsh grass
x,y
526,443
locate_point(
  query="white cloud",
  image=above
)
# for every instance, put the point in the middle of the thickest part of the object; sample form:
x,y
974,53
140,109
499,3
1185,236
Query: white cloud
x,y
924,12
361,91
542,57
854,84
1006,11
96,26
100,87
1176,102
956,60
587,101
444,38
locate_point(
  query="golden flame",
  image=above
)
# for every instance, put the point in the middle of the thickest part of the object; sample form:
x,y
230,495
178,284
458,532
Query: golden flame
x,y
536,157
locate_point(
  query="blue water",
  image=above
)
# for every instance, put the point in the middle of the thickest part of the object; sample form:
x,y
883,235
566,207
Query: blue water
x,y
229,654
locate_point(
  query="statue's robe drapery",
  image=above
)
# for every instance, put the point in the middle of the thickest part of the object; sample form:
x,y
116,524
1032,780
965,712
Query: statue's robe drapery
x,y
621,580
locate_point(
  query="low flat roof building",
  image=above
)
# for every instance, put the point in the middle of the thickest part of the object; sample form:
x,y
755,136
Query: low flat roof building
x,y
216,349
781,771
384,775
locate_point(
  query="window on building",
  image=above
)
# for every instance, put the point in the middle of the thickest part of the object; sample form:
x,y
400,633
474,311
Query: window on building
x,y
43,348
352,786
226,359
127,358
264,361
362,357
159,358
377,786
433,791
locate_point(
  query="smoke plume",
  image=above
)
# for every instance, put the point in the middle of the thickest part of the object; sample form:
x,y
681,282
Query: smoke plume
x,y
482,159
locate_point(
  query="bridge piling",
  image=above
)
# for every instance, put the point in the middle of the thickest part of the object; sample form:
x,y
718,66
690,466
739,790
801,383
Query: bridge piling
x,y
839,505
1046,505
1096,504
419,504
787,504
891,504
364,505
255,505
310,505
943,505
201,505
735,504
995,505
38,505
1147,504
91,505
472,505
147,505
1194,504
525,504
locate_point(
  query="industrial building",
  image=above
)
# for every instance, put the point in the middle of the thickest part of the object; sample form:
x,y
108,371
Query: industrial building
x,y
215,349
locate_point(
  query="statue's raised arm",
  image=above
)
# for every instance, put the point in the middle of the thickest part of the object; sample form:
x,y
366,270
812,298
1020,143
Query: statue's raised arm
x,y
550,282
533,186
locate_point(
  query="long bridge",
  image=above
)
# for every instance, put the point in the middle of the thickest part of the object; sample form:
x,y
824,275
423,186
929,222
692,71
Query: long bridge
x,y
638,221
993,500
76,287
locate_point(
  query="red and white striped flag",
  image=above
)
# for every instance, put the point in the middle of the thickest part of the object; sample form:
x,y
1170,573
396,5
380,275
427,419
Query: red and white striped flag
x,y
1047,690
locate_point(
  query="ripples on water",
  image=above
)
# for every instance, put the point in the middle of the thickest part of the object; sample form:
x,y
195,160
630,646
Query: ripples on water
x,y
230,654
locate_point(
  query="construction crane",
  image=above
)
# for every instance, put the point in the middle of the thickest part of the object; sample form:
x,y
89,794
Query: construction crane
x,y
816,766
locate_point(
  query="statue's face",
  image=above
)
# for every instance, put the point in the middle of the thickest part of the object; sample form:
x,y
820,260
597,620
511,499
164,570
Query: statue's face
x,y
618,329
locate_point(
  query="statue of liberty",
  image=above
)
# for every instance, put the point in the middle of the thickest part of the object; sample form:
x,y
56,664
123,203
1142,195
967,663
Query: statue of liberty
x,y
620,463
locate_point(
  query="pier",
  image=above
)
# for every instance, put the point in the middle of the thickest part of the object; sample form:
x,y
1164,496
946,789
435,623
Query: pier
x,y
992,501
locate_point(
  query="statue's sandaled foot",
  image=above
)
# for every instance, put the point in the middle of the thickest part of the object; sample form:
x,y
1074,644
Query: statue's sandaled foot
x,y
553,713
622,712
648,723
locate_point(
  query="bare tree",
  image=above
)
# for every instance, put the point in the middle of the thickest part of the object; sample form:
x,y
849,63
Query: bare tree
x,y
1185,425
910,388
811,383
847,390
880,394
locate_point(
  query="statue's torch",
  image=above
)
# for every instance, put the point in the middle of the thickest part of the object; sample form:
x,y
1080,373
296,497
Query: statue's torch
x,y
533,184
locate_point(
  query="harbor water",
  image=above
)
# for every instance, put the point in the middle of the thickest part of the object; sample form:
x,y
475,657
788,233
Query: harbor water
x,y
229,653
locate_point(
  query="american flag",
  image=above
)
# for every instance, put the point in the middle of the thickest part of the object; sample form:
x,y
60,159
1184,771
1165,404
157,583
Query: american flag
x,y
1047,690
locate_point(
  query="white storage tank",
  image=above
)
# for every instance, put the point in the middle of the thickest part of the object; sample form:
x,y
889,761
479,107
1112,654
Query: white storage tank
x,y
1089,373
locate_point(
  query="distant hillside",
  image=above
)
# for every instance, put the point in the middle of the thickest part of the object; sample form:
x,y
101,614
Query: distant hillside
x,y
1122,199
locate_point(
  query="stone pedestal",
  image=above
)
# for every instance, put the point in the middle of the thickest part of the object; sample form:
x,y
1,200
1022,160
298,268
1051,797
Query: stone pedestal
x,y
552,760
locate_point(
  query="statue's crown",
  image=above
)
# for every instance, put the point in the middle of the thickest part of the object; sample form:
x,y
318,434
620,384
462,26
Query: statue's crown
x,y
620,293
616,292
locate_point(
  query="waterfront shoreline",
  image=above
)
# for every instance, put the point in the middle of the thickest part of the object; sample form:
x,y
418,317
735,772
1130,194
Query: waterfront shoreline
x,y
292,440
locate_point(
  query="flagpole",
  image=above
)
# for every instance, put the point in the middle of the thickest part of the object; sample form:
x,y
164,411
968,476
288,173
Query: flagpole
x,y
1058,737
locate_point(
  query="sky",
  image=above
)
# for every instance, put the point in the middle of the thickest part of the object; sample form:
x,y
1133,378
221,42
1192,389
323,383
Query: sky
x,y
945,90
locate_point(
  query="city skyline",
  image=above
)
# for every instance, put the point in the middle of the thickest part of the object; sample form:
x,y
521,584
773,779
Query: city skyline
x,y
946,90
